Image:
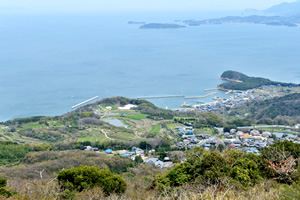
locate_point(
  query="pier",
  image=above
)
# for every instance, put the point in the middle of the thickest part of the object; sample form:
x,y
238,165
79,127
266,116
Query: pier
x,y
158,97
198,97
80,104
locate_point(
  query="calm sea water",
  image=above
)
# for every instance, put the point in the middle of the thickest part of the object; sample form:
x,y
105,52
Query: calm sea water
x,y
50,63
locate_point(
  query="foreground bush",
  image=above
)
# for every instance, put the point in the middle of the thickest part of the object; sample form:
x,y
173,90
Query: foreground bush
x,y
212,168
283,159
87,177
3,191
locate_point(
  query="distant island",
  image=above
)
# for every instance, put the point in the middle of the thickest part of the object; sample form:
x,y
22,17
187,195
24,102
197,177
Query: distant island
x,y
133,22
161,26
254,19
239,81
284,14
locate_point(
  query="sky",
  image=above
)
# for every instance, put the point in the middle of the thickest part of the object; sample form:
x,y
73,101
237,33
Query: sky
x,y
80,6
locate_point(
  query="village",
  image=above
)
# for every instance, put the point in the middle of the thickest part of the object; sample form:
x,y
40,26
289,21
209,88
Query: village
x,y
245,139
238,98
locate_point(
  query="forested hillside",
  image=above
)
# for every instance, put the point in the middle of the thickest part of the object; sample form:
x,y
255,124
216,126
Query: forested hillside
x,y
286,107
239,81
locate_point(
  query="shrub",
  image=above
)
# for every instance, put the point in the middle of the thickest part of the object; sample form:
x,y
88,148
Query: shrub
x,y
246,172
212,168
87,177
3,182
3,191
145,145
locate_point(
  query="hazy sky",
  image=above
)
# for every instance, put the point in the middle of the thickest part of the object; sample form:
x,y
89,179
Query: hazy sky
x,y
66,6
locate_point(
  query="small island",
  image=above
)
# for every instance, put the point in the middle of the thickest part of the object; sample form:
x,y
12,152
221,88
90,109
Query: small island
x,y
161,26
239,81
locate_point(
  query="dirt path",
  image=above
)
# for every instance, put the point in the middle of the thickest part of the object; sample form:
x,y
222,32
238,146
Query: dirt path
x,y
106,135
136,134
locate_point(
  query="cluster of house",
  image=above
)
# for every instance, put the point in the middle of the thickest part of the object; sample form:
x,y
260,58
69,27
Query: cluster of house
x,y
252,142
158,163
135,151
235,100
220,103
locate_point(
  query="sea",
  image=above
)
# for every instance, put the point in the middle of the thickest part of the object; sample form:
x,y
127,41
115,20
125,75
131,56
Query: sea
x,y
50,62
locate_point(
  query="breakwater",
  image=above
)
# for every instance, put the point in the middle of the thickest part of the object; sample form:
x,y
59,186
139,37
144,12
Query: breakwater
x,y
198,97
158,97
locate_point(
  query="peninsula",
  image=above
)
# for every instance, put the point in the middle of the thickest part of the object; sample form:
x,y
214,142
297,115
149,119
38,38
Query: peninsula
x,y
239,81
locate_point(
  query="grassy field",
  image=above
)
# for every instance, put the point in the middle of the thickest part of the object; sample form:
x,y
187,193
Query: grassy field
x,y
280,130
93,138
16,138
33,125
155,129
124,137
2,129
172,125
204,131
137,116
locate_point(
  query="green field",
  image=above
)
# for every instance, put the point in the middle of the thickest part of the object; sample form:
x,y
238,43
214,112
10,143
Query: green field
x,y
155,129
93,138
137,116
280,130
123,137
203,131
172,125
33,125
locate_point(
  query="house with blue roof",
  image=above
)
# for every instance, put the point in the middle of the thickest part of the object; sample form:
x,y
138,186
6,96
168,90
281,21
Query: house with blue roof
x,y
190,133
109,151
127,154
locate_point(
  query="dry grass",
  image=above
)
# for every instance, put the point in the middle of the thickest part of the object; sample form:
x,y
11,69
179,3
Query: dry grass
x,y
138,189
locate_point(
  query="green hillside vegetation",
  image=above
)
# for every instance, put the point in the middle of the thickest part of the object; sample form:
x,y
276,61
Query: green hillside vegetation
x,y
145,122
12,153
247,82
88,177
279,110
239,169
